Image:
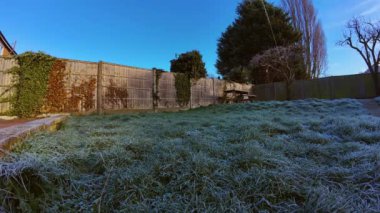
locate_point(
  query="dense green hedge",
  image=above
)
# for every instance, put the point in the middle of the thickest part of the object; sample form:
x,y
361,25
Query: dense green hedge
x,y
31,83
190,63
156,96
183,88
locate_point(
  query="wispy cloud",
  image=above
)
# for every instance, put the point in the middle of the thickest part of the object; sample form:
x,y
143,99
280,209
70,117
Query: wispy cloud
x,y
339,18
361,5
371,10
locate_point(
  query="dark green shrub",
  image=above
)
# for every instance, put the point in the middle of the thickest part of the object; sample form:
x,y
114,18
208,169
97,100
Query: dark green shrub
x,y
190,63
183,88
31,83
250,34
156,96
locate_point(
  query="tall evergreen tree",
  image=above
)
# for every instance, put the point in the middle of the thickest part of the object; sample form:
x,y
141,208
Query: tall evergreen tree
x,y
251,34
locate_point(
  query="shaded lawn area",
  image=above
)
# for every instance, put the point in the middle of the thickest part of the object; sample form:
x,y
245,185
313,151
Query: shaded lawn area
x,y
377,99
312,155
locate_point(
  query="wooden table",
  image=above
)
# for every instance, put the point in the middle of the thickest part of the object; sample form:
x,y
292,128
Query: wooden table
x,y
237,96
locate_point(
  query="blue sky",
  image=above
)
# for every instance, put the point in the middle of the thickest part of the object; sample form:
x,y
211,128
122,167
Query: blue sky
x,y
148,33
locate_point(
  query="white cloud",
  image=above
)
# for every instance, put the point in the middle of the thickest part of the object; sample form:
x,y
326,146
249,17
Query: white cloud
x,y
371,10
360,5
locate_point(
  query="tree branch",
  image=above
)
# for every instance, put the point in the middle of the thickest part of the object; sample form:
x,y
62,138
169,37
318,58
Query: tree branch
x,y
349,42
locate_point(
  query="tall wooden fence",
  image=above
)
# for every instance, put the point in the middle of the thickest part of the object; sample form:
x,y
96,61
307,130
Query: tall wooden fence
x,y
6,80
350,86
135,87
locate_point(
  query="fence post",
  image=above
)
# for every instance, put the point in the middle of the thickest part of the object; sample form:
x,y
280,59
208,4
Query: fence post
x,y
99,91
191,93
213,91
154,90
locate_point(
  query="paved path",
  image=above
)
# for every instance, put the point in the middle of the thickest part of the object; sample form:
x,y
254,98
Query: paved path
x,y
9,136
372,106
13,122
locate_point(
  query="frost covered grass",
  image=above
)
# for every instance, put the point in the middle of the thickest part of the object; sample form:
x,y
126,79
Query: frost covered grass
x,y
310,156
377,99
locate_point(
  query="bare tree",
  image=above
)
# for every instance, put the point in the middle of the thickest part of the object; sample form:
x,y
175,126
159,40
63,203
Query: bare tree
x,y
281,63
304,19
364,37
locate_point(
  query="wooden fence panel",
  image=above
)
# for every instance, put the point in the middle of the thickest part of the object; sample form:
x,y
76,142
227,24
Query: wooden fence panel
x,y
263,92
350,86
78,72
167,91
202,93
208,93
136,81
353,86
274,91
6,83
113,82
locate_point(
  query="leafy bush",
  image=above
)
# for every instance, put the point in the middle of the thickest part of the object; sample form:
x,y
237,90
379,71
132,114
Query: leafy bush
x,y
189,63
56,97
250,34
31,83
183,88
156,95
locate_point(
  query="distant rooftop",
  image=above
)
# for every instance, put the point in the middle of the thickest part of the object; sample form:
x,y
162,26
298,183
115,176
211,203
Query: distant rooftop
x,y
8,49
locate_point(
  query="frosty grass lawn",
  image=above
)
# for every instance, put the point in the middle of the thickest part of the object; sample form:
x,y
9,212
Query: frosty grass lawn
x,y
378,100
310,155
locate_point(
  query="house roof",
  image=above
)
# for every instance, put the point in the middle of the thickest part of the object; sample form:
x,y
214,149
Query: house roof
x,y
6,44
